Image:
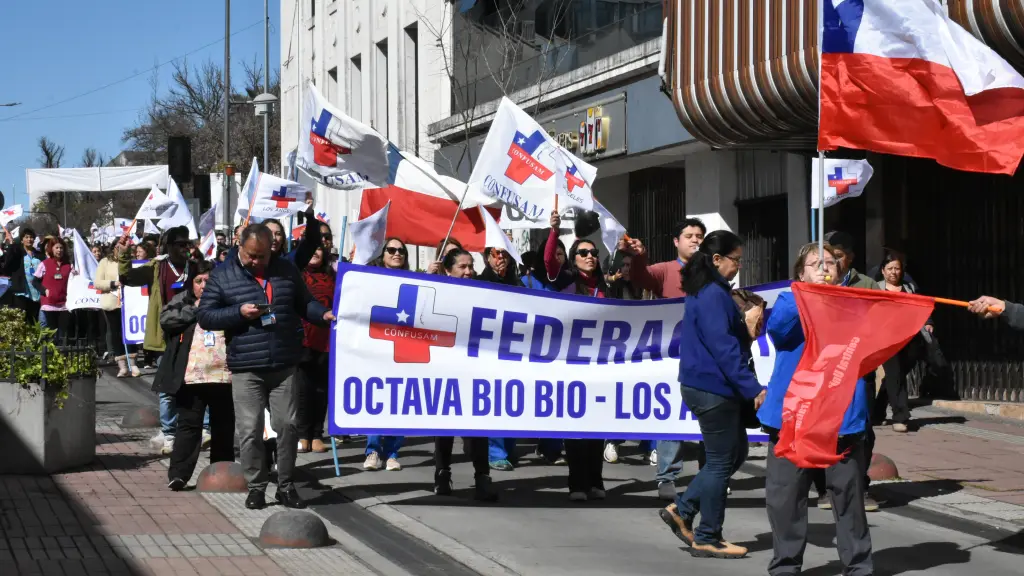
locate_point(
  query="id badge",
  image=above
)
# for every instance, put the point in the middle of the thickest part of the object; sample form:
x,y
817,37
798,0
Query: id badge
x,y
268,319
58,276
176,286
209,340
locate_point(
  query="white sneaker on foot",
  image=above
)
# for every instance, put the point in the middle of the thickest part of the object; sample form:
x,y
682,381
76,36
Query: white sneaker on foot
x,y
654,458
596,494
206,439
157,442
372,461
578,496
393,465
611,453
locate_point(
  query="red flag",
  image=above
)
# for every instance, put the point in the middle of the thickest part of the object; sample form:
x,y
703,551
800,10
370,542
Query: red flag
x,y
849,333
423,219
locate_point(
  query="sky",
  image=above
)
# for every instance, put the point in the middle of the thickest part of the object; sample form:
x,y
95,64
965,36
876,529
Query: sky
x,y
47,61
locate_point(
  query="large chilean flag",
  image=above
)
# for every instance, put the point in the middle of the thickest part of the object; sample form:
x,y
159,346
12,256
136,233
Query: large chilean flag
x,y
423,203
900,77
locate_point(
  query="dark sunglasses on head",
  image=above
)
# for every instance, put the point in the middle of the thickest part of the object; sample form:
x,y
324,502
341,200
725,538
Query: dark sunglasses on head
x,y
395,250
588,252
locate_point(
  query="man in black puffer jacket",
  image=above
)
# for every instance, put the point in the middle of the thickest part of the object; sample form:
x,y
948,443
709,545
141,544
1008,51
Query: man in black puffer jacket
x,y
259,301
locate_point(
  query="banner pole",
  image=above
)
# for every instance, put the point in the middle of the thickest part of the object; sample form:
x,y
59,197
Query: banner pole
x,y
440,253
344,227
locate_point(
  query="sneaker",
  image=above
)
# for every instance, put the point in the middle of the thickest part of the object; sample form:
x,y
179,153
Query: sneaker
x,y
870,504
578,496
596,494
393,465
372,461
484,491
206,440
682,528
561,461
667,491
728,490
721,549
443,483
303,446
824,502
501,465
168,446
899,427
318,446
653,458
177,484
611,453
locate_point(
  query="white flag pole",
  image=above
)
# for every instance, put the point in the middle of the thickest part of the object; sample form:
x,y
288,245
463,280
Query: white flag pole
x,y
821,208
440,253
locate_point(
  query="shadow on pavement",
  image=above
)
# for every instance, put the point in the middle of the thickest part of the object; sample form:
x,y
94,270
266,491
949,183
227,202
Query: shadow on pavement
x,y
919,423
902,493
891,561
1013,544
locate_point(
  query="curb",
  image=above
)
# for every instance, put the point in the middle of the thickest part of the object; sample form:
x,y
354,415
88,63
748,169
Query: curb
x,y
1009,410
442,542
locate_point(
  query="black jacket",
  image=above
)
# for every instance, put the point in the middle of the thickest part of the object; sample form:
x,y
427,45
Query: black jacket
x,y
12,264
251,346
178,321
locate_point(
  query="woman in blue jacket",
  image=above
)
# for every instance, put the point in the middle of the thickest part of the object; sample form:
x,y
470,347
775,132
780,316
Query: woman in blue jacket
x,y
716,382
786,486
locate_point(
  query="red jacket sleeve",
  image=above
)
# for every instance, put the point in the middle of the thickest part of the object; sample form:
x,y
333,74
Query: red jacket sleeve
x,y
551,265
647,277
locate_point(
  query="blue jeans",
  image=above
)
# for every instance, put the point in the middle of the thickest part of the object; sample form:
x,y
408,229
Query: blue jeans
x,y
168,414
206,420
385,446
725,442
670,460
501,449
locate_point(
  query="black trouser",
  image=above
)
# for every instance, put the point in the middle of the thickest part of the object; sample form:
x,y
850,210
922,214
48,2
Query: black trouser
x,y
88,329
786,489
115,338
188,438
59,319
586,462
894,389
30,307
311,394
477,450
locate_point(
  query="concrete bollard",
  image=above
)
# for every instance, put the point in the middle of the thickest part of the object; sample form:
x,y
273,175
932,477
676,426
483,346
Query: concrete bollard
x,y
882,468
222,477
141,417
294,529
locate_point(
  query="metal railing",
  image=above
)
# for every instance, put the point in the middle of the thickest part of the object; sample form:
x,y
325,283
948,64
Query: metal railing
x,y
81,361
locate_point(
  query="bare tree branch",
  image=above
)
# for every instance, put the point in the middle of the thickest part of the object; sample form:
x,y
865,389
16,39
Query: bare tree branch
x,y
52,154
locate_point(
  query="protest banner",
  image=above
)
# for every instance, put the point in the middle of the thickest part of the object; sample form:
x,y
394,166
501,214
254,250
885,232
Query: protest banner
x,y
134,307
426,355
82,294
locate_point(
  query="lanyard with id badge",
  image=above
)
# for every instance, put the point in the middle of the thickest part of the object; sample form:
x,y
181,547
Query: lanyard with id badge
x,y
268,318
178,284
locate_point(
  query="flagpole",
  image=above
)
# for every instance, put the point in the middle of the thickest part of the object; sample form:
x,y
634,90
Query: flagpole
x,y
821,207
440,253
344,227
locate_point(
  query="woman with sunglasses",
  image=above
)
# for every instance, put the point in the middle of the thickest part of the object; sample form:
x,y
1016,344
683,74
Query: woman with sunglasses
x,y
458,263
313,369
382,451
583,277
716,382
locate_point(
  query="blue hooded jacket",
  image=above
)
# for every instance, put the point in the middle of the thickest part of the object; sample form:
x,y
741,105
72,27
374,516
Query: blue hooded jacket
x,y
788,337
712,354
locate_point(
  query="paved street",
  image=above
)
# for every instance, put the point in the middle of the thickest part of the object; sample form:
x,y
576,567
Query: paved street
x,y
118,518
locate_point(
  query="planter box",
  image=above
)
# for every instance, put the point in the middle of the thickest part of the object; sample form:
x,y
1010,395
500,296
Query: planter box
x,y
39,438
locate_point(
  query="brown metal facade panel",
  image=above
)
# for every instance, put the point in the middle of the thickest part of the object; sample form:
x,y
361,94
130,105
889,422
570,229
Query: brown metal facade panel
x,y
743,72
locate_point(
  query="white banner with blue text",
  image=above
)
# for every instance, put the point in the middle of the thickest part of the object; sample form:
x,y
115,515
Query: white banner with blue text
x,y
425,355
134,307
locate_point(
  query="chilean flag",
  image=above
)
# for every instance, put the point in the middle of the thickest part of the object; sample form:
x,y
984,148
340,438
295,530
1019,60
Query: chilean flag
x,y
900,77
413,325
423,203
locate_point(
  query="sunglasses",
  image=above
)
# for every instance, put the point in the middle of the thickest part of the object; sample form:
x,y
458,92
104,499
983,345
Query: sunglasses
x,y
327,236
395,250
588,252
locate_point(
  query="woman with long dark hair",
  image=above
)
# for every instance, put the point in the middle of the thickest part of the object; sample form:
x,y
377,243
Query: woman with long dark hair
x,y
583,277
382,451
716,382
314,368
458,263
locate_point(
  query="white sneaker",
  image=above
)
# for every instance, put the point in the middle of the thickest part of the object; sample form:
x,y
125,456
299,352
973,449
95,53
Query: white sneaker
x,y
578,496
372,462
206,439
168,445
653,458
393,465
157,442
611,453
596,494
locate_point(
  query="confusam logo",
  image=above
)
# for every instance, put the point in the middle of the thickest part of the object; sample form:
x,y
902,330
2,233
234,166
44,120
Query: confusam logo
x,y
412,325
325,152
523,151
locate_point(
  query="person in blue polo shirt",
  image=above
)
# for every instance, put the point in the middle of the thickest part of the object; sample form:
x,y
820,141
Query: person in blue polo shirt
x,y
787,485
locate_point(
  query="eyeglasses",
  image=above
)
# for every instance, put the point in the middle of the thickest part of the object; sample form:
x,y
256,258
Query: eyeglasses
x,y
327,236
395,250
588,252
738,261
